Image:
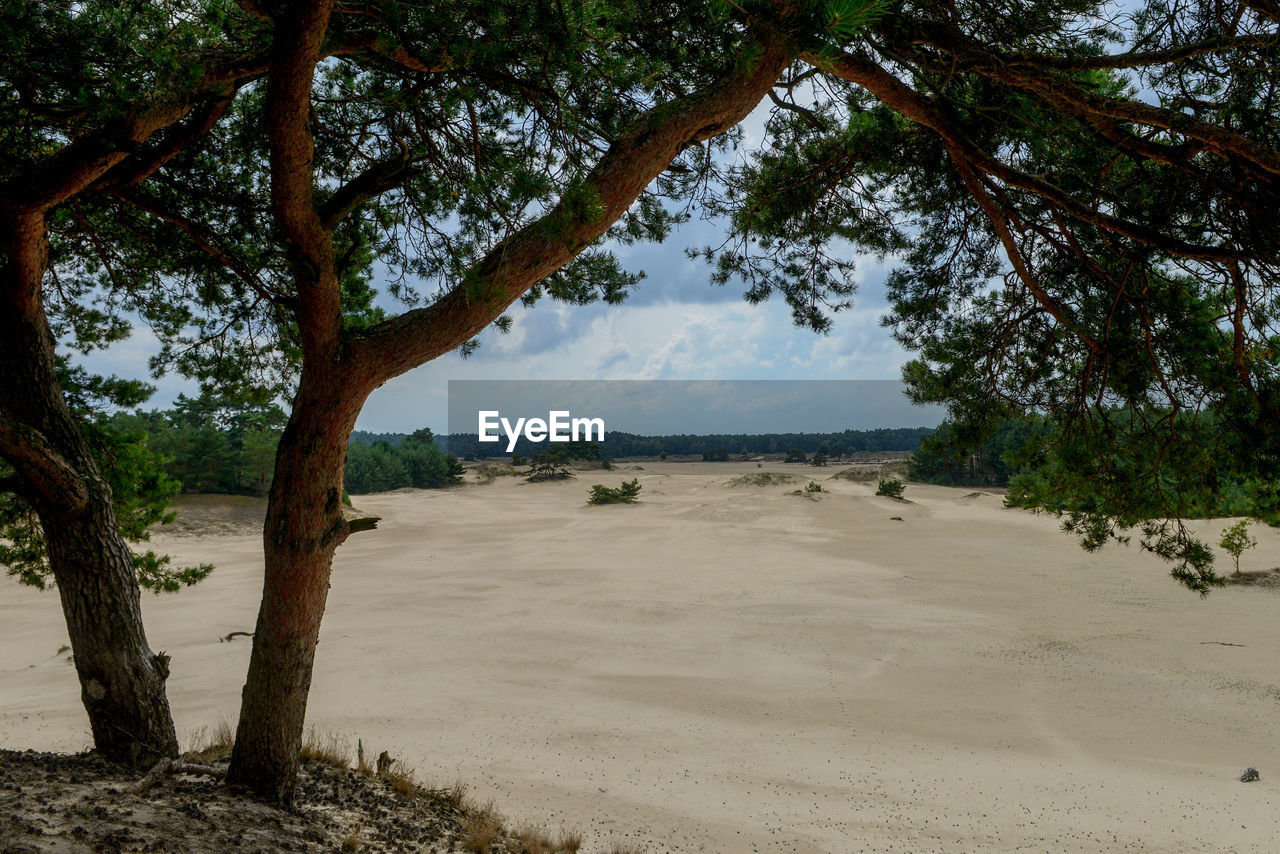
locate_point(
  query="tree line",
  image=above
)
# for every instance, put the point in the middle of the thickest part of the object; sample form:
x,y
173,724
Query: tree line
x,y
260,183
617,444
214,445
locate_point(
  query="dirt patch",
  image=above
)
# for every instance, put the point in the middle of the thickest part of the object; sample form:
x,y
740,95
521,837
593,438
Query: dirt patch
x,y
202,515
59,804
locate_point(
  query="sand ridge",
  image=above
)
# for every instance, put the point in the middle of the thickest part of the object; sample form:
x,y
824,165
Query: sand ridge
x,y
737,669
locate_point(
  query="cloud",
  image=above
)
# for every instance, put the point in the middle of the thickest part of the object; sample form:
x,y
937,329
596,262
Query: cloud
x,y
672,341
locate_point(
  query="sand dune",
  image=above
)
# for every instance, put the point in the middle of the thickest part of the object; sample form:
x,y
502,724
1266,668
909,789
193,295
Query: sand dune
x,y
738,669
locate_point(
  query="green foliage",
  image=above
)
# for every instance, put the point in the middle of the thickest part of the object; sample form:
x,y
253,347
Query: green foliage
x,y
819,459
627,493
716,455
811,490
890,488
958,456
795,455
1115,276
417,462
215,443
549,465
1236,539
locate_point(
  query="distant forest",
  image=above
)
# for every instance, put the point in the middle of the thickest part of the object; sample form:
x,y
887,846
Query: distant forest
x,y
216,445
618,444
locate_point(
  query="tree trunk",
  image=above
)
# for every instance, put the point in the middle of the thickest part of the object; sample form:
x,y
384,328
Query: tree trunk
x,y
121,680
303,529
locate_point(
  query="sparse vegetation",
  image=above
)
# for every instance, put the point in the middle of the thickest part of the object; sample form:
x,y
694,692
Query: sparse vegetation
x,y
400,779
535,840
212,743
891,489
811,490
627,493
481,827
858,474
331,749
763,478
489,472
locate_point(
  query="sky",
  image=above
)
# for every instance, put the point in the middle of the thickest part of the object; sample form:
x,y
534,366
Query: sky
x,y
675,326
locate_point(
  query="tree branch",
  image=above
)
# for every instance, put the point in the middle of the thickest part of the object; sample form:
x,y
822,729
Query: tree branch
x,y
373,182
42,467
204,242
83,161
134,171
908,102
583,214
296,48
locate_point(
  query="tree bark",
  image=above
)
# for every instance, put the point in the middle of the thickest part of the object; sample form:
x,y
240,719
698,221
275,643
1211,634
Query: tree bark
x,y
303,529
121,679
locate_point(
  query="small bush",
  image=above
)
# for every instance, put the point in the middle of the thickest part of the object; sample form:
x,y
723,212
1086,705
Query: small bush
x,y
1236,539
812,490
891,488
628,492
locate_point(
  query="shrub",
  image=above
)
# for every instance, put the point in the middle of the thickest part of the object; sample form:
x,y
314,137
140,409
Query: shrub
x,y
628,492
812,490
891,488
548,466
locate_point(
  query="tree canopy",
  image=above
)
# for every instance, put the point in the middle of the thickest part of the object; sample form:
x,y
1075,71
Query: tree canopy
x,y
1079,199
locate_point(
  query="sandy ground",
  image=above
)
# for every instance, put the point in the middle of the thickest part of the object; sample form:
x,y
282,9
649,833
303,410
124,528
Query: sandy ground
x,y
736,669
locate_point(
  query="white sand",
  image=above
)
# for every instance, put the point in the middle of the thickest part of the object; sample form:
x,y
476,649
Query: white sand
x,y
739,670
